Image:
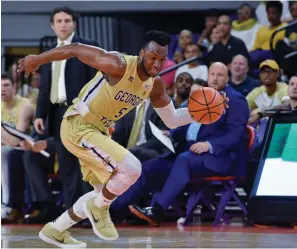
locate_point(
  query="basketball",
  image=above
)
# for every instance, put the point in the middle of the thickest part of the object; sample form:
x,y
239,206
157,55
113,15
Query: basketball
x,y
206,105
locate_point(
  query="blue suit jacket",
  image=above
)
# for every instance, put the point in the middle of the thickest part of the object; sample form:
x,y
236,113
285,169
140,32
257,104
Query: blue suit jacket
x,y
227,137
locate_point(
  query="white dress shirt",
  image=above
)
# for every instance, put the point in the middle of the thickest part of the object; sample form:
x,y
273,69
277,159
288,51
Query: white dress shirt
x,y
62,89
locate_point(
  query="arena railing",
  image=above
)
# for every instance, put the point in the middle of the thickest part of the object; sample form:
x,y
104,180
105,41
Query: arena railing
x,y
187,61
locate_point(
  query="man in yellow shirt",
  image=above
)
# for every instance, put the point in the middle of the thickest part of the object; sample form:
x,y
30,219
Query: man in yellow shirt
x,y
18,112
262,41
270,94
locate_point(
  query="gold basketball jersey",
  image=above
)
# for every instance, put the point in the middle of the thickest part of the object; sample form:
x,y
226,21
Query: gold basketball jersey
x,y
101,104
11,116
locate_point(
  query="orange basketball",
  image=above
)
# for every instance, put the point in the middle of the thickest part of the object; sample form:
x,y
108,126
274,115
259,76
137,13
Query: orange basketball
x,y
206,105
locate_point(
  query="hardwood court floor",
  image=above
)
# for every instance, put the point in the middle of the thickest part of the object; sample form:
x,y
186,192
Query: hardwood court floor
x,y
24,236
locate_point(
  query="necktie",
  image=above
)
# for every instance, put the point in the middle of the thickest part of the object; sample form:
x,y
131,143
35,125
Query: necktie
x,y
55,80
136,126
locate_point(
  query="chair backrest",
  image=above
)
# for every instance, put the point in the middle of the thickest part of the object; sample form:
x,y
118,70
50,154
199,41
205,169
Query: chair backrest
x,y
251,136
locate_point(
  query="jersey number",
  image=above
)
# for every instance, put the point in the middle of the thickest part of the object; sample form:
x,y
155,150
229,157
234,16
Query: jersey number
x,y
121,112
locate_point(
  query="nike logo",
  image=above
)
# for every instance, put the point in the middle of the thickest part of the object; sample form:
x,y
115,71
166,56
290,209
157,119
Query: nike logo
x,y
61,241
95,220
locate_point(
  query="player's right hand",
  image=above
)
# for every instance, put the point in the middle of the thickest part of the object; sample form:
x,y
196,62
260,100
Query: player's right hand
x,y
39,125
29,64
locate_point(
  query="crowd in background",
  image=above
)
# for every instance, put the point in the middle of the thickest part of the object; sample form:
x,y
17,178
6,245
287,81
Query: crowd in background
x,y
264,78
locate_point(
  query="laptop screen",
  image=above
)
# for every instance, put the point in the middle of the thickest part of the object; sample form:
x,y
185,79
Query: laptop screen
x,y
277,172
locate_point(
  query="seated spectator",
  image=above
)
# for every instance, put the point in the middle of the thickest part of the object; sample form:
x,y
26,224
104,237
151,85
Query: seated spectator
x,y
215,37
185,38
182,87
246,25
239,79
270,94
194,68
16,78
211,20
261,13
288,46
35,168
202,150
229,46
18,112
261,47
291,104
208,150
197,84
33,90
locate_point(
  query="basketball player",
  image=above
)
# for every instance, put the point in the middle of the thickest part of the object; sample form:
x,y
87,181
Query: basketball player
x,y
122,82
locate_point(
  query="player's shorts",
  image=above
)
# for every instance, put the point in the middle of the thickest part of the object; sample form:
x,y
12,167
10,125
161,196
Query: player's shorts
x,y
97,152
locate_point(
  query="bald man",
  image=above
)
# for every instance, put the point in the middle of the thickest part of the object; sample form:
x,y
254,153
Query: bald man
x,y
239,79
203,150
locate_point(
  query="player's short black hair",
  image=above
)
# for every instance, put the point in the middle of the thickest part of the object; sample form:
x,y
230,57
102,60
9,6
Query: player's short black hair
x,y
157,36
6,76
275,4
65,9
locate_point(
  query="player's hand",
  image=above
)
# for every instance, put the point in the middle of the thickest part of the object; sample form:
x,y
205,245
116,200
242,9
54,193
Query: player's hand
x,y
225,99
29,64
39,146
25,145
39,125
200,147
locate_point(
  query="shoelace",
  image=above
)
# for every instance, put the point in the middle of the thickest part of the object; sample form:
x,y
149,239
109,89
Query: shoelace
x,y
106,217
67,236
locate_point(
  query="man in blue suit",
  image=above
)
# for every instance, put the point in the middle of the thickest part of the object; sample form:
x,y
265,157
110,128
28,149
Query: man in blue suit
x,y
208,150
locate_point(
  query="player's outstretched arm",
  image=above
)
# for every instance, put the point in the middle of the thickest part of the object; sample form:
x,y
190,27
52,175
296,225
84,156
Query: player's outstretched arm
x,y
110,63
164,107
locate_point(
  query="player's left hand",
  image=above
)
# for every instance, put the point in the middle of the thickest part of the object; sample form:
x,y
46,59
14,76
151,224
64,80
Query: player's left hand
x,y
225,98
200,147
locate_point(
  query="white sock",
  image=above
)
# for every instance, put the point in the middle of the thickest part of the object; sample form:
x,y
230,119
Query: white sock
x,y
78,207
63,222
101,201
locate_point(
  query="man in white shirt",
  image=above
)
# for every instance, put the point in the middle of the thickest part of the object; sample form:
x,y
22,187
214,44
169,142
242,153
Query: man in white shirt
x,y
60,83
193,68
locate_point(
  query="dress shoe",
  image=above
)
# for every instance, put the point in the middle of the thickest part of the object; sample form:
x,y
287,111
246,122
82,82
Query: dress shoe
x,y
149,214
14,217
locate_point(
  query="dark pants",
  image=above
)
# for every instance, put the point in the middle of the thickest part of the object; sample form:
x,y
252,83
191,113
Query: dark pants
x,y
16,176
149,150
37,168
168,175
69,167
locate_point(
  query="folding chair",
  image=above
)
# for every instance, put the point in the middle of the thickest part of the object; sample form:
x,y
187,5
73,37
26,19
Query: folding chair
x,y
228,184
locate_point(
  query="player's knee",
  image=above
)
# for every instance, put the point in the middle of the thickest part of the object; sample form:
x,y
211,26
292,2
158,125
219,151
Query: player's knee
x,y
131,166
